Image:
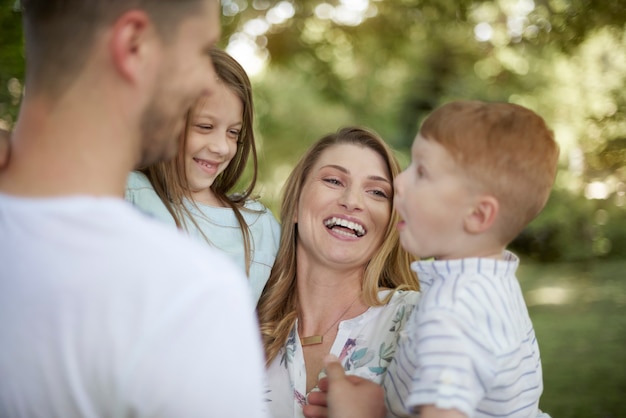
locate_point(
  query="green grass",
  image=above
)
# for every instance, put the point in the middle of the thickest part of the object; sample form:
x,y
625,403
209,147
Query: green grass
x,y
579,314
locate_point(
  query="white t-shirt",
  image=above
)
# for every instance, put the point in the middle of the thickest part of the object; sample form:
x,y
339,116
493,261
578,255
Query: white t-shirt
x,y
105,313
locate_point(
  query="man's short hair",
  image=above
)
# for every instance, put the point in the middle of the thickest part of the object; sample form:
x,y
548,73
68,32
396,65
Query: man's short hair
x,y
60,33
506,149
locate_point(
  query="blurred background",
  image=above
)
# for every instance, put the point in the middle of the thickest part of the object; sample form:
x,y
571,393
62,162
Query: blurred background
x,y
317,65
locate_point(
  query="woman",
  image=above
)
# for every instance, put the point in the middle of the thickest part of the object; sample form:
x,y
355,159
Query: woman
x,y
194,190
341,284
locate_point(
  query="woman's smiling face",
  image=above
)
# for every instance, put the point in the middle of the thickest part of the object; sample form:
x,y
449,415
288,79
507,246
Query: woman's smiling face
x,y
345,206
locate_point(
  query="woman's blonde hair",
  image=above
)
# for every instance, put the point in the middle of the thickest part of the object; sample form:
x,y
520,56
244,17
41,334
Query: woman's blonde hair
x,y
169,180
388,268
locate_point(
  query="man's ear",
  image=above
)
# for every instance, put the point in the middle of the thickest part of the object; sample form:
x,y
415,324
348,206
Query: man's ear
x,y
483,215
130,44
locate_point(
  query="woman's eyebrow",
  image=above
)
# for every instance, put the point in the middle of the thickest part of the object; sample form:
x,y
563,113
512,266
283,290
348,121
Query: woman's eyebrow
x,y
379,178
337,167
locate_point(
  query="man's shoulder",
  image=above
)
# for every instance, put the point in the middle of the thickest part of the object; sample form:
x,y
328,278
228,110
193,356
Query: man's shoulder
x,y
166,256
165,244
108,229
111,245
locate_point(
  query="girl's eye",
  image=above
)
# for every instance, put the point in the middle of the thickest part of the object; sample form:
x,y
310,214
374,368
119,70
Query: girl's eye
x,y
233,133
204,127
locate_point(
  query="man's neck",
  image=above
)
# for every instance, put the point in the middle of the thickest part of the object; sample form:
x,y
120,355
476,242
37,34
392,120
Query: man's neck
x,y
67,152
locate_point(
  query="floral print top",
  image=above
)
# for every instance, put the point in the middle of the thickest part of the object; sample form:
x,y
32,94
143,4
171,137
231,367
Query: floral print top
x,y
365,345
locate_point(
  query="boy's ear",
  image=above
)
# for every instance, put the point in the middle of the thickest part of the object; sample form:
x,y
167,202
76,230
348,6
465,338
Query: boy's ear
x,y
483,215
130,44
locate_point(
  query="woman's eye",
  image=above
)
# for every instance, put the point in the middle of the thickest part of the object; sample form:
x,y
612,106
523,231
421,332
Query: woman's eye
x,y
334,181
380,193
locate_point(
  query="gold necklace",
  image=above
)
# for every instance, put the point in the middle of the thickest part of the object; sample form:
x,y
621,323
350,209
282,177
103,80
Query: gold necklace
x,y
318,339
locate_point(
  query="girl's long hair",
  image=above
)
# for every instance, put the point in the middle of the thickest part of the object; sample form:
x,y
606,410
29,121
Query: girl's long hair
x,y
169,180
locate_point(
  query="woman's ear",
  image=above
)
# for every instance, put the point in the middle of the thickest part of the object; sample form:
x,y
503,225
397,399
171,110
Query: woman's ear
x,y
483,215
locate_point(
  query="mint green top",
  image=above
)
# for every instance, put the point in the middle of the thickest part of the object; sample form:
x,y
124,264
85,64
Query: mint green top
x,y
220,226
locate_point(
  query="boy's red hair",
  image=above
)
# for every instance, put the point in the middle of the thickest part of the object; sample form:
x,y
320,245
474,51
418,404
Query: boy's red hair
x,y
507,149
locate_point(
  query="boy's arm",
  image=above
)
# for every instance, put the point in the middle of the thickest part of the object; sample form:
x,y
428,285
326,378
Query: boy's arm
x,y
431,411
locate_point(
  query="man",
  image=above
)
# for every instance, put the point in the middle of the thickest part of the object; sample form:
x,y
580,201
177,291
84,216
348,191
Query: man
x,y
104,313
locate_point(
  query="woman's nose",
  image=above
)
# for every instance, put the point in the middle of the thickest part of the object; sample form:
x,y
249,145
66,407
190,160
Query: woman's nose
x,y
351,199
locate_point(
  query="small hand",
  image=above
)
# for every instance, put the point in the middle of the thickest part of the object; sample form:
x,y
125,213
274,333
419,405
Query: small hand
x,y
348,396
317,406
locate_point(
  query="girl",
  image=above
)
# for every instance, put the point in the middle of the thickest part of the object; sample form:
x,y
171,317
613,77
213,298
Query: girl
x,y
194,190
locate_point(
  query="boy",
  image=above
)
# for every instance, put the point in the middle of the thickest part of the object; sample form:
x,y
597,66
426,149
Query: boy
x,y
480,172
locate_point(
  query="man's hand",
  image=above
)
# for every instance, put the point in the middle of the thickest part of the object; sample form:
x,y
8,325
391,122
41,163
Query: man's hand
x,y
5,147
344,396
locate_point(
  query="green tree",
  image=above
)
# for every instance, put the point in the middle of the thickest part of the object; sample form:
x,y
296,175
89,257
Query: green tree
x,y
11,62
388,63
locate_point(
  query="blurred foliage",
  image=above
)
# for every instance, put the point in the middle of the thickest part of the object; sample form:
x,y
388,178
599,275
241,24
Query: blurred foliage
x,y
572,228
577,311
386,64
11,62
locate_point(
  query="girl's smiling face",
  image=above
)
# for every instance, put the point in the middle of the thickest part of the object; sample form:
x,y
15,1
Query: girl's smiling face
x,y
212,141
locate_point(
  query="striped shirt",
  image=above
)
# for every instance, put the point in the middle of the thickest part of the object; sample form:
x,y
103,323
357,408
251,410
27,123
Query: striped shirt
x,y
470,345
